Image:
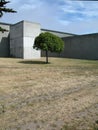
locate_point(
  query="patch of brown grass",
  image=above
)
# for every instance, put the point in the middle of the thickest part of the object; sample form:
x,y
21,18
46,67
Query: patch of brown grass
x,y
39,96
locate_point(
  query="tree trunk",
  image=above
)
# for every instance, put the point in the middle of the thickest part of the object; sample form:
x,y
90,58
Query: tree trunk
x,y
46,57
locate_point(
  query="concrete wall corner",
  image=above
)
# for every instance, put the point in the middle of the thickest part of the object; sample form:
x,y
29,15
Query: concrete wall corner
x,y
30,32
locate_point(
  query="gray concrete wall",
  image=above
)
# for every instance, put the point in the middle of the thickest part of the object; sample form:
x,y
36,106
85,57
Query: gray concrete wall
x,y
82,47
4,41
22,36
31,30
16,40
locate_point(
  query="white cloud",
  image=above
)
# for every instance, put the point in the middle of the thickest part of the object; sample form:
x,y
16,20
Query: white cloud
x,y
62,15
88,10
31,4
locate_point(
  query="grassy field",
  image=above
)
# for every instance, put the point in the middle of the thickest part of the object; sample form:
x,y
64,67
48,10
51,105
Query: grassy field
x,y
62,95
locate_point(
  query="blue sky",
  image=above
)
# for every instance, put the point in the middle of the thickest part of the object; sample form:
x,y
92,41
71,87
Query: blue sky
x,y
79,17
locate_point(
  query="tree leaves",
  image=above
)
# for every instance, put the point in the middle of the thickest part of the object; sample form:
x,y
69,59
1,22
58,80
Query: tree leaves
x,y
48,41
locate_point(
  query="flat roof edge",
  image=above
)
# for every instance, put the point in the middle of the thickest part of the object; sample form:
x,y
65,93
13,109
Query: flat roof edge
x,y
58,31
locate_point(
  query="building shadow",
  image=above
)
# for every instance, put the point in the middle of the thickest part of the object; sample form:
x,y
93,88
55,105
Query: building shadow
x,y
4,47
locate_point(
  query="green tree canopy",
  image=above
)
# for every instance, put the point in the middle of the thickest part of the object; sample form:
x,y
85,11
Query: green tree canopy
x,y
48,42
3,10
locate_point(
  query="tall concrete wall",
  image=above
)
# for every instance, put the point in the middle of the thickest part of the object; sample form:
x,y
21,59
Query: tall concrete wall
x,y
4,41
16,40
22,37
82,47
31,30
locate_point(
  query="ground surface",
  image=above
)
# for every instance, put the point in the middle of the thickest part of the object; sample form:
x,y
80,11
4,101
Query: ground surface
x,y
38,96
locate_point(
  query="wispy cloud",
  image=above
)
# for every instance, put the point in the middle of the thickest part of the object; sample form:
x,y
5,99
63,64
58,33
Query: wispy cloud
x,y
30,5
60,15
79,10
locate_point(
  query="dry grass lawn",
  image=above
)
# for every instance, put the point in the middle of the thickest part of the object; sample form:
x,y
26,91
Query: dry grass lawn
x,y
38,96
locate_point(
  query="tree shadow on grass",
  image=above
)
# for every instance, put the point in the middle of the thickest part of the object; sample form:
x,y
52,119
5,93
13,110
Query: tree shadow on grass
x,y
33,62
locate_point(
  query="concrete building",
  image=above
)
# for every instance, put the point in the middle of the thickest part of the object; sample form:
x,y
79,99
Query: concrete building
x,y
19,39
22,37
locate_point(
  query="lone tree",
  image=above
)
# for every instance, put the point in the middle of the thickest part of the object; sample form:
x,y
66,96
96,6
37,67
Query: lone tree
x,y
3,9
48,42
